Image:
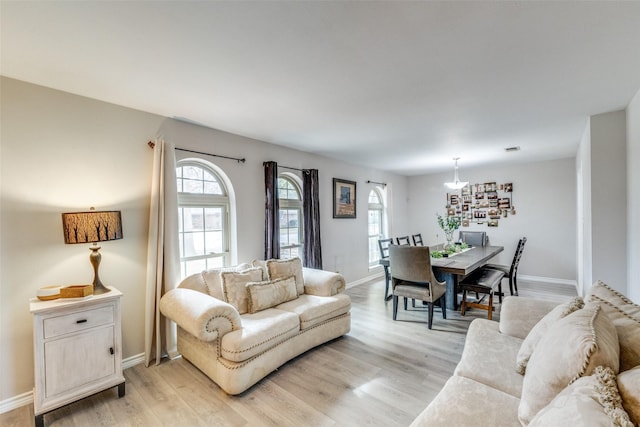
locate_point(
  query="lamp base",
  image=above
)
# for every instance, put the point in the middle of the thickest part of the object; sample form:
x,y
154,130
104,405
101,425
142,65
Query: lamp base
x,y
95,257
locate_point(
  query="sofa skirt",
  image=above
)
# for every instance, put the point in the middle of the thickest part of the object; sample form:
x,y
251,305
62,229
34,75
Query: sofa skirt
x,y
236,377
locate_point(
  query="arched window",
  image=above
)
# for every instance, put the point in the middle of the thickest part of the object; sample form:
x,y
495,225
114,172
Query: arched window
x,y
290,198
375,225
203,218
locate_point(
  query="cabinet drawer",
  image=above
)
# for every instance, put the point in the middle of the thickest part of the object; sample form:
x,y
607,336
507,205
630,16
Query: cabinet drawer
x,y
78,321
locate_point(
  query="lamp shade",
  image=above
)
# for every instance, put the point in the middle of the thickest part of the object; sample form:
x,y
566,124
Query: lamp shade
x,y
92,226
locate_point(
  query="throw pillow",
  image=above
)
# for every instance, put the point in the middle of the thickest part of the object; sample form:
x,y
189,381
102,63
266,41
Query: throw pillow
x,y
590,401
258,263
571,349
234,287
625,315
629,385
263,295
281,269
541,328
213,281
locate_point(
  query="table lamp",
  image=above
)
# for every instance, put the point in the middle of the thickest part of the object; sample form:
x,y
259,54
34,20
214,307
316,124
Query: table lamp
x,y
91,227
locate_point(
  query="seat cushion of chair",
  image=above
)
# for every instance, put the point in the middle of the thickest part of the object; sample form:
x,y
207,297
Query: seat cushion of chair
x,y
488,356
484,280
465,402
313,309
260,331
419,292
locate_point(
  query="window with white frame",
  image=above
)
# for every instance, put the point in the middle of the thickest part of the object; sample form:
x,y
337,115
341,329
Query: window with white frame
x,y
375,225
290,199
203,218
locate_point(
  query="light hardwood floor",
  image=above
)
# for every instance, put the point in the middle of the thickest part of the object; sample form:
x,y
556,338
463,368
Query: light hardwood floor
x,y
383,373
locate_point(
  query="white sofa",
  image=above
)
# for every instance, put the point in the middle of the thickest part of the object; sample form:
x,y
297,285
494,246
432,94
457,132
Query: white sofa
x,y
238,325
581,366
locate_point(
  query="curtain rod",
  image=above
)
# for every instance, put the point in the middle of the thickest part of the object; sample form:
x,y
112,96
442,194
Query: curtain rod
x,y
384,184
289,167
152,144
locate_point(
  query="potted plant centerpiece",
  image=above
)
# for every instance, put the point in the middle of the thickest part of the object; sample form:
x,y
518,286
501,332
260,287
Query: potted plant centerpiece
x,y
448,224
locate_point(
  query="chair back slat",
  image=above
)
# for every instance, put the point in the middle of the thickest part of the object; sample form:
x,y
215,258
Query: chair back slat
x,y
403,241
384,244
517,256
417,240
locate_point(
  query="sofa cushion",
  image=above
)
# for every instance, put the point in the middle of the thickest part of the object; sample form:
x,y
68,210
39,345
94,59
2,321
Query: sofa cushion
x,y
263,295
313,310
625,315
629,386
571,349
260,332
518,315
467,403
281,269
590,401
541,328
234,287
213,281
487,355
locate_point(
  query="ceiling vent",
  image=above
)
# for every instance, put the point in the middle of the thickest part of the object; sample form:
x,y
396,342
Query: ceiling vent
x,y
510,149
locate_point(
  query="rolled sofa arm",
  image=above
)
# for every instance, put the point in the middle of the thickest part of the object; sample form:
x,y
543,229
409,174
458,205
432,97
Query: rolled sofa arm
x,y
203,316
322,283
519,314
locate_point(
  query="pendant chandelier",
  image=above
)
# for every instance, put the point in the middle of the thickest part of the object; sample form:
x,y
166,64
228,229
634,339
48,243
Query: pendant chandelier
x,y
456,184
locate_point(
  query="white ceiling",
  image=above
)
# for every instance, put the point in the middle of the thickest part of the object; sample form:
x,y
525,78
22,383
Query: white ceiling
x,y
399,86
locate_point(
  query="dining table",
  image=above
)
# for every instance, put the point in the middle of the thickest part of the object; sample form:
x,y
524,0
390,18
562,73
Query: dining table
x,y
457,266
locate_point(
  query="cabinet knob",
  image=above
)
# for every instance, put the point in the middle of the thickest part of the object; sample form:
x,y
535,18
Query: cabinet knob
x,y
111,350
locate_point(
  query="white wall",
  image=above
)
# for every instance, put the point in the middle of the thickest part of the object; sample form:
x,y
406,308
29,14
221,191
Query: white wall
x,y
64,153
544,196
633,198
583,178
609,199
61,152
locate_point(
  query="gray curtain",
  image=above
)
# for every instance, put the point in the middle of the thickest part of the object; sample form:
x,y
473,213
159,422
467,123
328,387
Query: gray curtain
x,y
312,257
271,211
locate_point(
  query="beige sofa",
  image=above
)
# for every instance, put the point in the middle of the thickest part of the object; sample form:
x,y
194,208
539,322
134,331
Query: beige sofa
x,y
238,325
581,365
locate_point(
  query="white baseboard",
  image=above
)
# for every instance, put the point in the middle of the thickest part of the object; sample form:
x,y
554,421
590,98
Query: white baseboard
x,y
375,276
27,398
549,280
15,402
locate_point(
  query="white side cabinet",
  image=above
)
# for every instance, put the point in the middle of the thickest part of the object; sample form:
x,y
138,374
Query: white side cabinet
x,y
77,350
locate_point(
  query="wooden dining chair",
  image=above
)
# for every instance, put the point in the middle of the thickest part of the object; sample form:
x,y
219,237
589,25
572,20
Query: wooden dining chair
x,y
484,281
403,241
384,244
474,238
412,277
511,271
417,240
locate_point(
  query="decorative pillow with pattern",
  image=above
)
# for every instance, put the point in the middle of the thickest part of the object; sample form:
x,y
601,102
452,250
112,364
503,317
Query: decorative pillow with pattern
x,y
234,287
263,295
541,328
571,349
213,280
625,315
281,269
629,385
589,401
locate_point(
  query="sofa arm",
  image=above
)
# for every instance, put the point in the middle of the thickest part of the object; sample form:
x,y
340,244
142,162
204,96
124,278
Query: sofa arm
x,y
519,314
322,283
203,316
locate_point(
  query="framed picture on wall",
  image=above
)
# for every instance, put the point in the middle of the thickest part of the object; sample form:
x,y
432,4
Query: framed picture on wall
x,y
344,198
